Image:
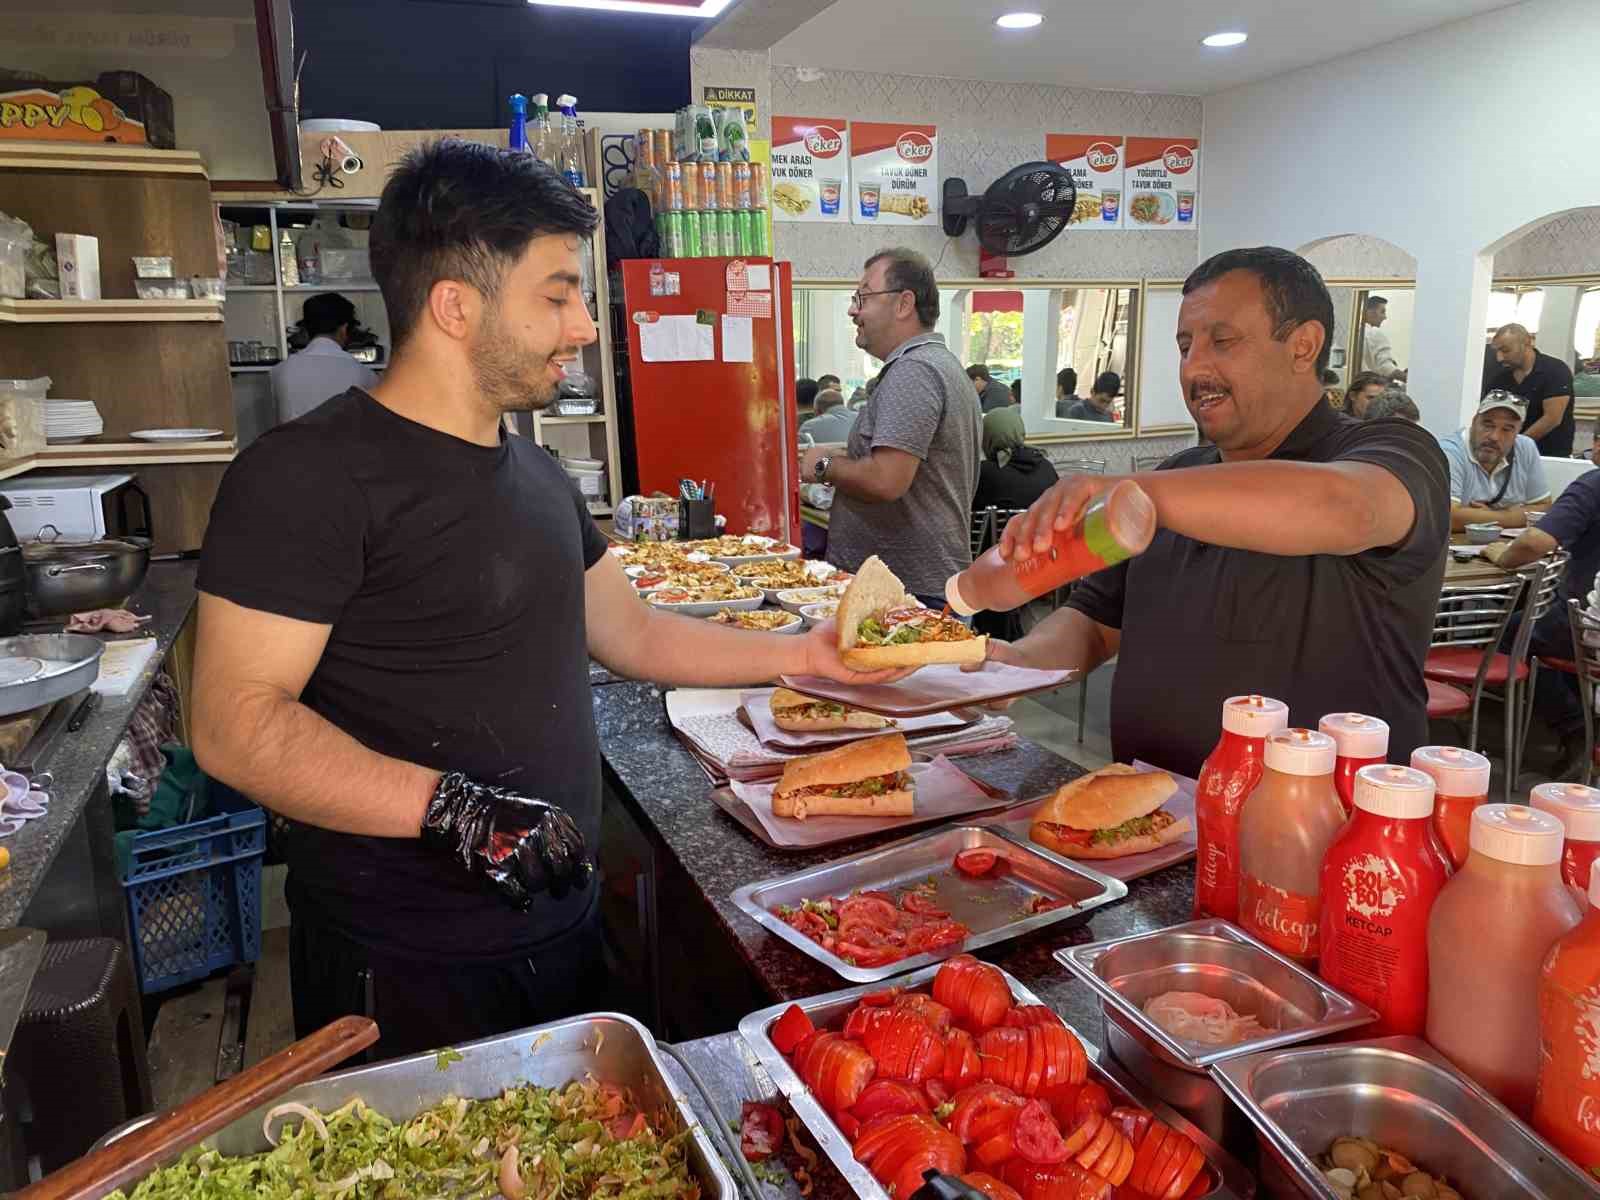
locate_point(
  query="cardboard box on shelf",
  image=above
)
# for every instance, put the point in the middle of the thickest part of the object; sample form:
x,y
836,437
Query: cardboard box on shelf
x,y
78,256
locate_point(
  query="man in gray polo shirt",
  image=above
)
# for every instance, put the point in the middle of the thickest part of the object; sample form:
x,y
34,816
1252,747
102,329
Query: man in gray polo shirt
x,y
903,489
1496,473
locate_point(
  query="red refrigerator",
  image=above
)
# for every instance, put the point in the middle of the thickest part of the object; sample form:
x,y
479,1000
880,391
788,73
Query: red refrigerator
x,y
711,367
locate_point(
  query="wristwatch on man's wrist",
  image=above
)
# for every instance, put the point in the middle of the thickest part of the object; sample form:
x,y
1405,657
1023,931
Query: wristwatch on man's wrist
x,y
819,471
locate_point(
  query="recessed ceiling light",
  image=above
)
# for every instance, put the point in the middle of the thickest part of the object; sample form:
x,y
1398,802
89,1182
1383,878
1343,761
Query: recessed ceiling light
x,y
1020,20
1220,40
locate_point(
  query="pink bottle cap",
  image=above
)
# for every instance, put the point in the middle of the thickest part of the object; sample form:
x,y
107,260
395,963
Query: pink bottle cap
x,y
1254,716
1400,793
1456,772
1514,833
1356,735
1575,806
1301,752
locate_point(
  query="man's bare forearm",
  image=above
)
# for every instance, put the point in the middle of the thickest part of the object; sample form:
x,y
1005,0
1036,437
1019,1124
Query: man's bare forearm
x,y
678,650
1066,639
281,754
1462,515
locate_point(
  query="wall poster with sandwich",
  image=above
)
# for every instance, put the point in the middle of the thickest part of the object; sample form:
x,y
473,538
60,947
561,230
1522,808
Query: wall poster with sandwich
x,y
810,169
894,169
1094,160
1162,180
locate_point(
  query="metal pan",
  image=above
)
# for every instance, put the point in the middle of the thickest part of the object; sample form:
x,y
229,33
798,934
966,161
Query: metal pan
x,y
611,1047
1230,1181
1403,1094
41,668
990,907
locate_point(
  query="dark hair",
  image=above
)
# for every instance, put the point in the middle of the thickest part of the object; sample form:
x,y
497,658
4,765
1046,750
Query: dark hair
x,y
977,371
1067,380
1330,379
1293,289
1374,301
828,398
828,381
1364,380
462,210
1393,403
805,393
910,272
1108,383
1016,391
326,313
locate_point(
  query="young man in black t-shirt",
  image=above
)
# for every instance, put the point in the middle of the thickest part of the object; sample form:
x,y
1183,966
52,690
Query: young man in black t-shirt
x,y
398,605
1544,382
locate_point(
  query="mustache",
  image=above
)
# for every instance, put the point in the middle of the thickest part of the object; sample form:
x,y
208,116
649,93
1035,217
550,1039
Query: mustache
x,y
1200,386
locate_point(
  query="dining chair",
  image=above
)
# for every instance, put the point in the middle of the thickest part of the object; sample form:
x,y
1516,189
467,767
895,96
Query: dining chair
x,y
1585,664
1083,466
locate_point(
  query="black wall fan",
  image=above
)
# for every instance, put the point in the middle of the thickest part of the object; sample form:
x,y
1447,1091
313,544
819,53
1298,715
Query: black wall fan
x,y
1019,213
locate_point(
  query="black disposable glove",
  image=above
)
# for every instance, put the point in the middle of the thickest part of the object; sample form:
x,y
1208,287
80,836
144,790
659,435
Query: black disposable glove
x,y
520,845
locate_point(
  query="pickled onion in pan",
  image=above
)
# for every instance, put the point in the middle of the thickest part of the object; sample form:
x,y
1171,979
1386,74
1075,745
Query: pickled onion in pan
x,y
1196,1017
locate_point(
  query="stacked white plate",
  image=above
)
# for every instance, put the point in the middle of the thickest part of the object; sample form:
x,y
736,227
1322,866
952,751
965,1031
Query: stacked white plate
x,y
71,420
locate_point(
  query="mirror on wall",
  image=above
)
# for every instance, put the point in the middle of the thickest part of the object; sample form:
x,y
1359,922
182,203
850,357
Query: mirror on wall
x,y
1564,320
1026,336
1383,323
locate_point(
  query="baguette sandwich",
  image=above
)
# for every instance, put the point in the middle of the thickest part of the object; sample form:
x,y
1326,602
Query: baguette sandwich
x,y
802,714
864,779
1114,812
880,626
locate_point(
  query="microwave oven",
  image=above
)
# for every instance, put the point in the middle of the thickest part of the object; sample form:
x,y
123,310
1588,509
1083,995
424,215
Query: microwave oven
x,y
77,508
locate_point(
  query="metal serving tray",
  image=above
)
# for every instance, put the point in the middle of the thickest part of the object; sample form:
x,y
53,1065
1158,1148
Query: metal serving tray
x,y
990,907
1223,961
1401,1093
1230,1181
611,1047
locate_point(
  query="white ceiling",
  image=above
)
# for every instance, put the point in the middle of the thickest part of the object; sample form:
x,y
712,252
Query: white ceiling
x,y
1133,45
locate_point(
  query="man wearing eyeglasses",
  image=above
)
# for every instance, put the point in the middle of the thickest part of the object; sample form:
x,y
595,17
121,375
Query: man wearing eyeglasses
x,y
903,488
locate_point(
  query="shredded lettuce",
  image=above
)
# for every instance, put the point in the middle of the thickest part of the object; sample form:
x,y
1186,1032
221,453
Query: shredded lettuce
x,y
871,633
1138,827
451,1150
443,1059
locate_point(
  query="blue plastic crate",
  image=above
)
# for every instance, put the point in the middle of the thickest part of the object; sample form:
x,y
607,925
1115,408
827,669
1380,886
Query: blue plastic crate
x,y
194,894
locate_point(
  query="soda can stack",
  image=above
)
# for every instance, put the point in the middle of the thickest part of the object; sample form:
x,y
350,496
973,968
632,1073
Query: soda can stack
x,y
691,211
710,231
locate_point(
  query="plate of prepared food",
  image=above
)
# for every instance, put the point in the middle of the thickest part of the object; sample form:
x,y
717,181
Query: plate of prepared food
x,y
794,599
678,574
774,575
822,610
657,554
960,1068
735,549
1152,208
702,600
761,620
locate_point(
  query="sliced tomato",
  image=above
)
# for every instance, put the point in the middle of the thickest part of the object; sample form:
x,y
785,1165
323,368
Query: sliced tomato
x,y
1164,1168
628,1125
1043,904
975,864
881,999
788,1030
848,1125
936,1090
922,905
1024,1015
1147,1157
1092,1098
857,1020
1102,1135
1108,1148
867,956
1036,1135
990,1186
760,1131
973,1102
926,1007
975,992
992,1141
869,908
1063,1181
935,936
1132,1121
888,1097
904,1044
1186,1167
1004,1054
961,1063
897,1150
836,1069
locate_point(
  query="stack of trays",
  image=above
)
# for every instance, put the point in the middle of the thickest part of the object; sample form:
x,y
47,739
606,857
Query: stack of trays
x,y
71,420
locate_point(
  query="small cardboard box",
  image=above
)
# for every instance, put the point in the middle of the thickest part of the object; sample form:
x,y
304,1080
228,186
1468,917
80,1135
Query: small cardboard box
x,y
647,519
78,256
117,106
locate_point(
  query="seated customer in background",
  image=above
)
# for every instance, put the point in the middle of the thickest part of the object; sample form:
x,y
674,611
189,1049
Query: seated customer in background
x,y
1394,403
1098,405
1066,390
824,382
1363,390
992,394
805,397
1496,473
1012,473
833,421
1593,452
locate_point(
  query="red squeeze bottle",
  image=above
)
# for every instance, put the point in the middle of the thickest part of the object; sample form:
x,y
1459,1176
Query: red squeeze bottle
x,y
1230,774
1578,809
1362,741
1116,526
1566,1108
1461,783
1379,881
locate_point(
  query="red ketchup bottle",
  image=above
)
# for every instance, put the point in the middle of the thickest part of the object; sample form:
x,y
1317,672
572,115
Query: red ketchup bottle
x,y
1566,1108
1117,525
1379,881
1361,741
1285,830
1578,809
1461,784
1230,774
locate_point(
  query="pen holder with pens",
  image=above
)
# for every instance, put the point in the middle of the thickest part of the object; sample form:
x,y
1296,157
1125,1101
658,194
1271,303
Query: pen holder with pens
x,y
696,519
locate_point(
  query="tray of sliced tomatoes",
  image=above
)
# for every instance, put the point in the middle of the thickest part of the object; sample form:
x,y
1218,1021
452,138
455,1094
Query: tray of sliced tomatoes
x,y
960,1069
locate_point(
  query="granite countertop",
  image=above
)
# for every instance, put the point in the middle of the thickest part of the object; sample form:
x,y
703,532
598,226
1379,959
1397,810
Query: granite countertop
x,y
78,760
671,792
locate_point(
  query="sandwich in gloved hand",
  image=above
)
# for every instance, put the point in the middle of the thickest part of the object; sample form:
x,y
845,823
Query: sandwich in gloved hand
x,y
802,714
864,779
880,626
1114,812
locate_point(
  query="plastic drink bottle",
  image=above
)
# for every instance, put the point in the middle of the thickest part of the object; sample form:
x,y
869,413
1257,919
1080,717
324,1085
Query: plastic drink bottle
x,y
1229,775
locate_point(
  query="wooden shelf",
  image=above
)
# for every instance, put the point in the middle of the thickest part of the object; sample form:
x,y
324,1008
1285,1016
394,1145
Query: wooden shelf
x,y
71,156
133,454
590,419
61,312
15,466
334,285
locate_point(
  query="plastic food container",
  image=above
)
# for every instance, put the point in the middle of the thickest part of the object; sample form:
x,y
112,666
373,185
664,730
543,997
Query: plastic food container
x,y
207,287
152,266
161,289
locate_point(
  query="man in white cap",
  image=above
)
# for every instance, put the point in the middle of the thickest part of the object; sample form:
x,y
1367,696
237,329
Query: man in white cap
x,y
1496,473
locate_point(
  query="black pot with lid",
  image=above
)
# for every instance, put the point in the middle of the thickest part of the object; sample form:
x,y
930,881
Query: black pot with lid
x,y
13,577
